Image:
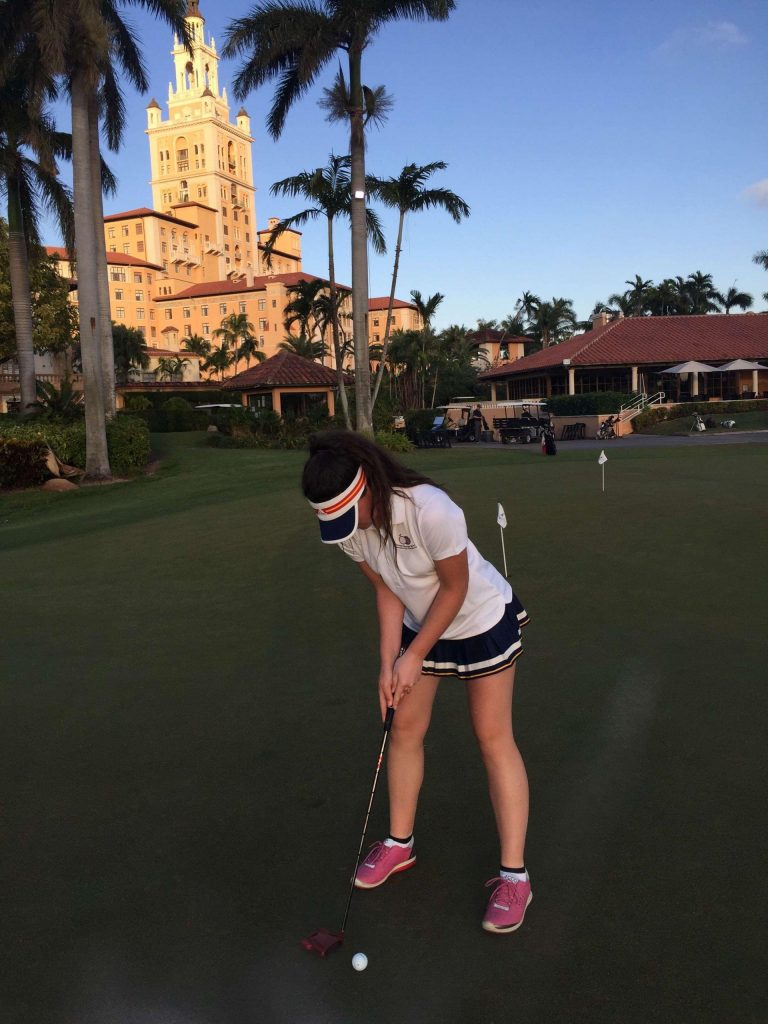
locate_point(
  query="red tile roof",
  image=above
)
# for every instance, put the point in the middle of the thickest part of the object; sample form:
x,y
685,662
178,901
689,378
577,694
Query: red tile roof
x,y
284,369
488,335
144,211
653,340
375,305
229,287
122,259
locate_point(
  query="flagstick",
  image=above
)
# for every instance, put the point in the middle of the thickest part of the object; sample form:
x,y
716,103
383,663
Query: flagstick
x,y
603,468
503,552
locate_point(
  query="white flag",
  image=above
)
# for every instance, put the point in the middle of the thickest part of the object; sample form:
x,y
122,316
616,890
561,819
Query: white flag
x,y
603,458
501,519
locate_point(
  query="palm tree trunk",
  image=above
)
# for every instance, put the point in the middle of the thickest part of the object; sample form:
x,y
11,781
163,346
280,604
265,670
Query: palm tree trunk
x,y
106,344
434,390
385,347
359,246
96,453
335,327
18,260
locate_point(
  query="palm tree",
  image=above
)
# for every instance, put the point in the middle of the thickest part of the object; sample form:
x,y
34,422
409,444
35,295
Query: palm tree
x,y
701,293
171,368
219,360
130,350
554,321
249,349
301,309
761,259
84,43
733,297
303,346
426,309
197,346
293,42
407,194
234,331
528,303
637,293
29,145
328,190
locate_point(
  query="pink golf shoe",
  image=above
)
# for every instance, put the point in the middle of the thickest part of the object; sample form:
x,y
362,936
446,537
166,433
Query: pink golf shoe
x,y
507,905
380,862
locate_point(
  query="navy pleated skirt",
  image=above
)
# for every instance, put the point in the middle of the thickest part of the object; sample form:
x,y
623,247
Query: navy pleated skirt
x,y
480,655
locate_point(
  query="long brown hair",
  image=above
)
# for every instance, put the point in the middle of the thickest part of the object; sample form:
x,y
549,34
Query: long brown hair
x,y
335,457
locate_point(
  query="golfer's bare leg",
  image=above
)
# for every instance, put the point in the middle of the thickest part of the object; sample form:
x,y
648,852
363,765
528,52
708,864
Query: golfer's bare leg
x,y
405,758
490,708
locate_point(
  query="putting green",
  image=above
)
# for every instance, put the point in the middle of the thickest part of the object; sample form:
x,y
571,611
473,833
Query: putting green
x,y
190,727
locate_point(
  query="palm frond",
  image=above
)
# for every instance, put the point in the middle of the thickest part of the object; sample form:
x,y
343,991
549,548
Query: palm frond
x,y
374,231
112,109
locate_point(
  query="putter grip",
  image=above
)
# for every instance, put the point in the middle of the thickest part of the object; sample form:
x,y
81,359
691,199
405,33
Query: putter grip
x,y
388,719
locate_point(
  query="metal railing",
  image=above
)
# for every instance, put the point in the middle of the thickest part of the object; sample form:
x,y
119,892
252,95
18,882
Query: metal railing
x,y
636,405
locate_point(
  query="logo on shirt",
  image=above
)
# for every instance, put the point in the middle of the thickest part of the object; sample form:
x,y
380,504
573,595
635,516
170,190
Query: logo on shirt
x,y
405,542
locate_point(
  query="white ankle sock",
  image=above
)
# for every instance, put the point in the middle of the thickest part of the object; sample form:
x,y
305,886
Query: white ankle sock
x,y
514,876
403,846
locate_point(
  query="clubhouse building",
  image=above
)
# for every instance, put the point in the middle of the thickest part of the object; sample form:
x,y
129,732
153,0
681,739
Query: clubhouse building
x,y
631,354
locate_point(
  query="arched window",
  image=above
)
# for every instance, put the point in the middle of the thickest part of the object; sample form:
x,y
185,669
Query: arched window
x,y
182,154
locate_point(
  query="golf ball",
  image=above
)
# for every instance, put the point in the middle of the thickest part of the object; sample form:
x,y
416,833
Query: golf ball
x,y
359,961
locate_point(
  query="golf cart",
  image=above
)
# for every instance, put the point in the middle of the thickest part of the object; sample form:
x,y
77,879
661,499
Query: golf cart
x,y
513,421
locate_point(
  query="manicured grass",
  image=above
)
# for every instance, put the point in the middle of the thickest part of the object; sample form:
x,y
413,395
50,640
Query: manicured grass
x,y
190,728
755,420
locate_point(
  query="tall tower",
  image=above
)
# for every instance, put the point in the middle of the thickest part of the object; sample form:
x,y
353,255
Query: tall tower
x,y
202,169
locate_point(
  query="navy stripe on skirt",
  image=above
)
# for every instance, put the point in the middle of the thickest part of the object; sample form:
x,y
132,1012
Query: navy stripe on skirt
x,y
480,655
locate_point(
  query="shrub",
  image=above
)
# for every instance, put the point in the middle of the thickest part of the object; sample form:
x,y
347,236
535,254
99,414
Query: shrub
x,y
655,414
420,419
127,441
589,404
22,462
179,414
137,403
394,442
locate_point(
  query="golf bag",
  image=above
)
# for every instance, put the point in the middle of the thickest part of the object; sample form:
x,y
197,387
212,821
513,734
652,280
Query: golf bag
x,y
698,422
606,429
550,448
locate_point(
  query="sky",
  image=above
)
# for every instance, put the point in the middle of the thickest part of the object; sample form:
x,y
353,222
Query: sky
x,y
593,141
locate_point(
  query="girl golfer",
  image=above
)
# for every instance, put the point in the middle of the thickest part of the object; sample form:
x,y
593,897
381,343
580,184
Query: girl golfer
x,y
443,610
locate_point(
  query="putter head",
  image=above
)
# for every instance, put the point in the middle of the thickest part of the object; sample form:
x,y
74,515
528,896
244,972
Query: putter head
x,y
322,942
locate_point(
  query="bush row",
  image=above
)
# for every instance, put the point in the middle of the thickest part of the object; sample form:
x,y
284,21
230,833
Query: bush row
x,y
588,404
127,440
22,462
175,414
657,413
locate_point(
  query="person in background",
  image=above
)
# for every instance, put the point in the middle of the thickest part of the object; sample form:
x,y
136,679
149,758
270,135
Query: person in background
x,y
478,422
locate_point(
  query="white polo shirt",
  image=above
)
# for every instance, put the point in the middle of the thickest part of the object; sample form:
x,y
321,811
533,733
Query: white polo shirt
x,y
427,526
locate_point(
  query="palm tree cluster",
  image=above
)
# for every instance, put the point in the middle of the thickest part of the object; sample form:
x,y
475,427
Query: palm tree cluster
x,y
674,296
421,368
544,322
78,48
291,42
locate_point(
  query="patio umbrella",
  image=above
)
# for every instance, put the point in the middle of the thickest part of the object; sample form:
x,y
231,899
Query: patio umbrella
x,y
691,367
741,364
744,364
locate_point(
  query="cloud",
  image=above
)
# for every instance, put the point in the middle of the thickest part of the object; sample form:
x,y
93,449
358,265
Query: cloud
x,y
720,35
758,193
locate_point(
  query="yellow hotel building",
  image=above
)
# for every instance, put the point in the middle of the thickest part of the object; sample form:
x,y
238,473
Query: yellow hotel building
x,y
196,257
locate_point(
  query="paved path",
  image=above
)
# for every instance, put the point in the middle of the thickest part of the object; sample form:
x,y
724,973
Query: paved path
x,y
652,441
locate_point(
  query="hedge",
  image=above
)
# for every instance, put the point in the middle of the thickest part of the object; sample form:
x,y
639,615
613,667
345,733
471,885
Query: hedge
x,y
588,404
657,413
22,462
127,441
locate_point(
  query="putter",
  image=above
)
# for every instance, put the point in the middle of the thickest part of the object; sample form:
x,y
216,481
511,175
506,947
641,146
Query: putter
x,y
323,941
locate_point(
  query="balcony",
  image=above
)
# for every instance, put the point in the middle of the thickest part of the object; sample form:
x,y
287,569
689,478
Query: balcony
x,y
182,165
